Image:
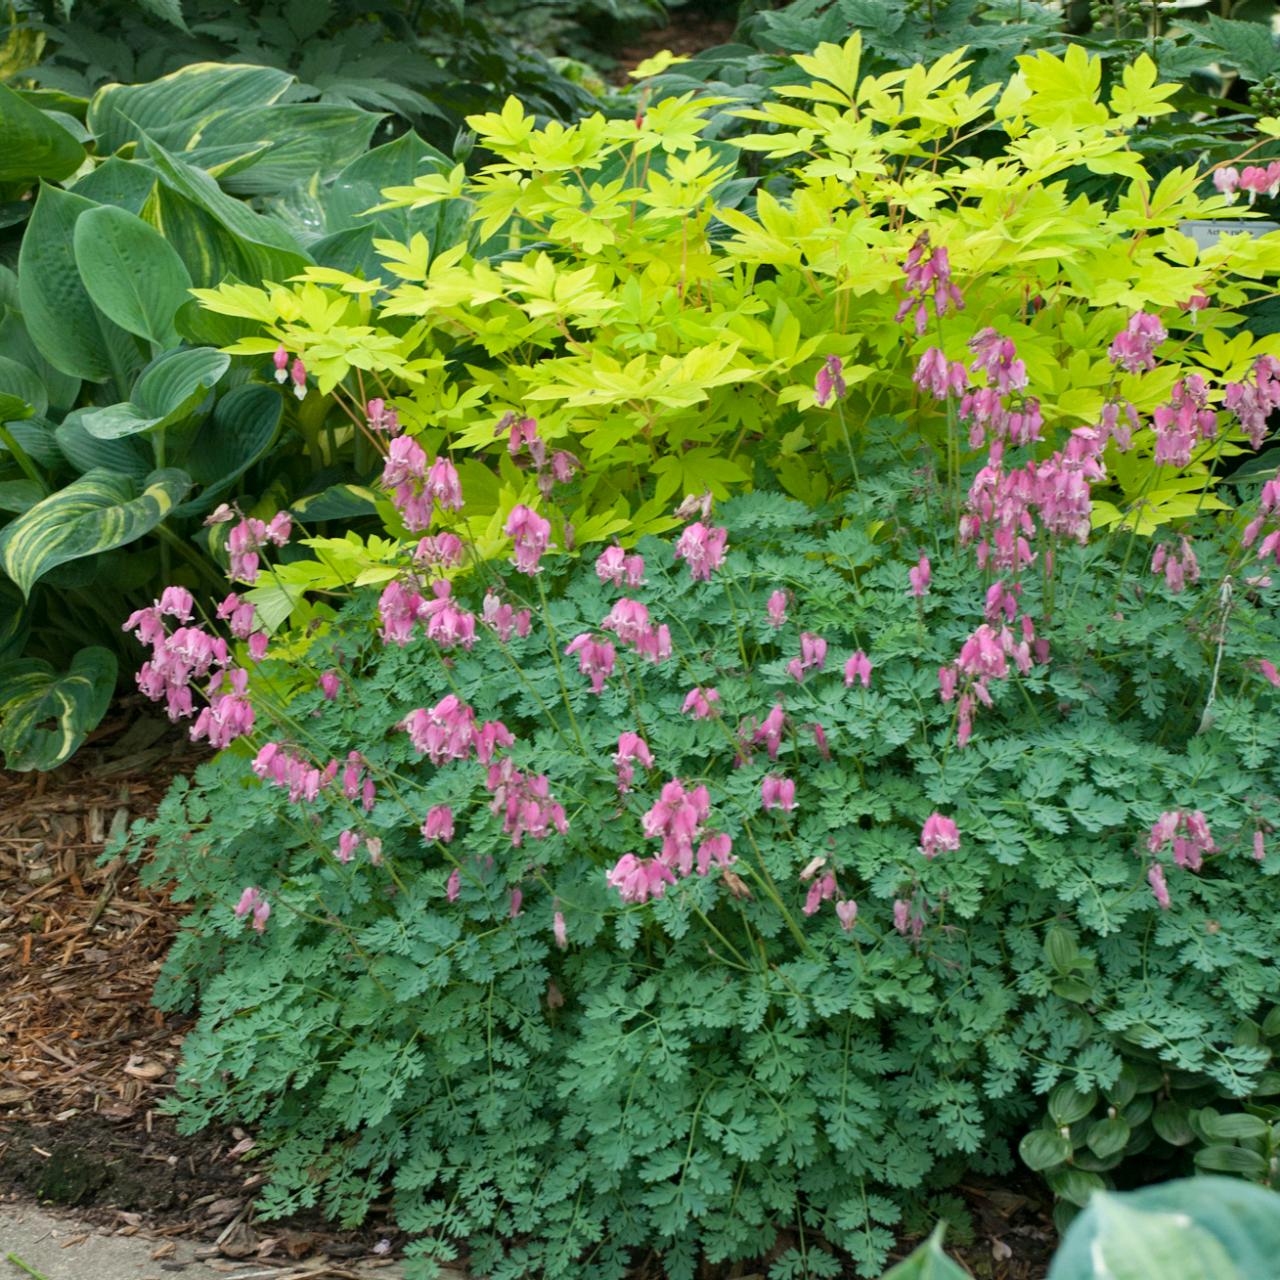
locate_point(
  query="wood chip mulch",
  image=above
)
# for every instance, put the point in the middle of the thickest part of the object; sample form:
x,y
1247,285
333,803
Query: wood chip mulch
x,y
81,944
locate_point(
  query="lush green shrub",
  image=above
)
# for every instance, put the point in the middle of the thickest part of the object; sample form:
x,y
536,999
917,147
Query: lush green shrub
x,y
664,321
583,959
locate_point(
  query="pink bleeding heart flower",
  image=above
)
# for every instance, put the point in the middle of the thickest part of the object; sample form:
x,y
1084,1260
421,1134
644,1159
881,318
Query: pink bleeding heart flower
x,y
938,835
777,793
438,824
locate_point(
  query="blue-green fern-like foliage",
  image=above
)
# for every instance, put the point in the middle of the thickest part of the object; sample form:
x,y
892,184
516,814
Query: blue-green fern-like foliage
x,y
715,1074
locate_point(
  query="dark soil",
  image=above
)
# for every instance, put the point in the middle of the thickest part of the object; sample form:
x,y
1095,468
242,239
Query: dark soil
x,y
687,34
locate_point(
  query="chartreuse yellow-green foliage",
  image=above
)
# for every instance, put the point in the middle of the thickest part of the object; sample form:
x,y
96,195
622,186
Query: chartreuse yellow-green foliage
x,y
663,318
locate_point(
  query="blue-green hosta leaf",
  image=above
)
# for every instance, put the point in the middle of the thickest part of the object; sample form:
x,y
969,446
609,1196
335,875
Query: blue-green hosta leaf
x,y
99,511
394,164
265,246
61,319
337,502
130,455
309,140
168,391
132,273
32,693
233,437
17,496
35,145
1134,1237
19,383
180,103
16,345
928,1262
123,183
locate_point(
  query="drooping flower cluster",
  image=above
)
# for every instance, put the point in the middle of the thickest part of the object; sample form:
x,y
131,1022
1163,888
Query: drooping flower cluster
x,y
1183,422
276,764
858,667
596,658
503,619
449,731
983,657
400,607
249,537
382,417
1255,180
253,902
829,382
414,487
629,621
525,804
1256,398
777,793
189,654
1189,834
615,566
701,702
438,824
357,781
631,747
1134,348
526,447
768,733
702,549
678,819
439,551
824,886
939,835
928,272
1266,523
813,656
1179,565
1001,411
530,534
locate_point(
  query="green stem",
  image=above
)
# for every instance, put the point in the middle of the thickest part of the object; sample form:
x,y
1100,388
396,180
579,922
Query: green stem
x,y
21,457
30,1270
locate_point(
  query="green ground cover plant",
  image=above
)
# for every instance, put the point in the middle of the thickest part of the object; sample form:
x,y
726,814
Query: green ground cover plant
x,y
732,894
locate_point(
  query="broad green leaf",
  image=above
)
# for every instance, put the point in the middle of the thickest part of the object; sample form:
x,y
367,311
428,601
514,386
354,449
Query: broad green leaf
x,y
15,344
928,1262
123,183
20,384
35,145
1044,1148
1221,1158
131,272
99,511
67,329
338,502
32,694
189,98
15,621
308,141
1116,1238
268,250
394,164
209,251
233,437
167,392
129,456
17,496
1108,1136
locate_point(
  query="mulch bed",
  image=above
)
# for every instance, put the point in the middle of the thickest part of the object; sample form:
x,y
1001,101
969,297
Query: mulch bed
x,y
687,34
85,1060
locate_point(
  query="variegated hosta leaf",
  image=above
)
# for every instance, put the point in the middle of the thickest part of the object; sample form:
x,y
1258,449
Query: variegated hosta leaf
x,y
32,694
99,511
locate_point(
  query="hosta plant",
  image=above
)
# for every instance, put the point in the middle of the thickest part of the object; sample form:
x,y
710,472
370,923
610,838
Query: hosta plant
x,y
664,320
121,424
727,895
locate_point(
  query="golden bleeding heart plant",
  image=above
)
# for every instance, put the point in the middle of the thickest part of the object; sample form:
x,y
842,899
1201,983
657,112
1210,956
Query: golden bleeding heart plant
x,y
664,318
